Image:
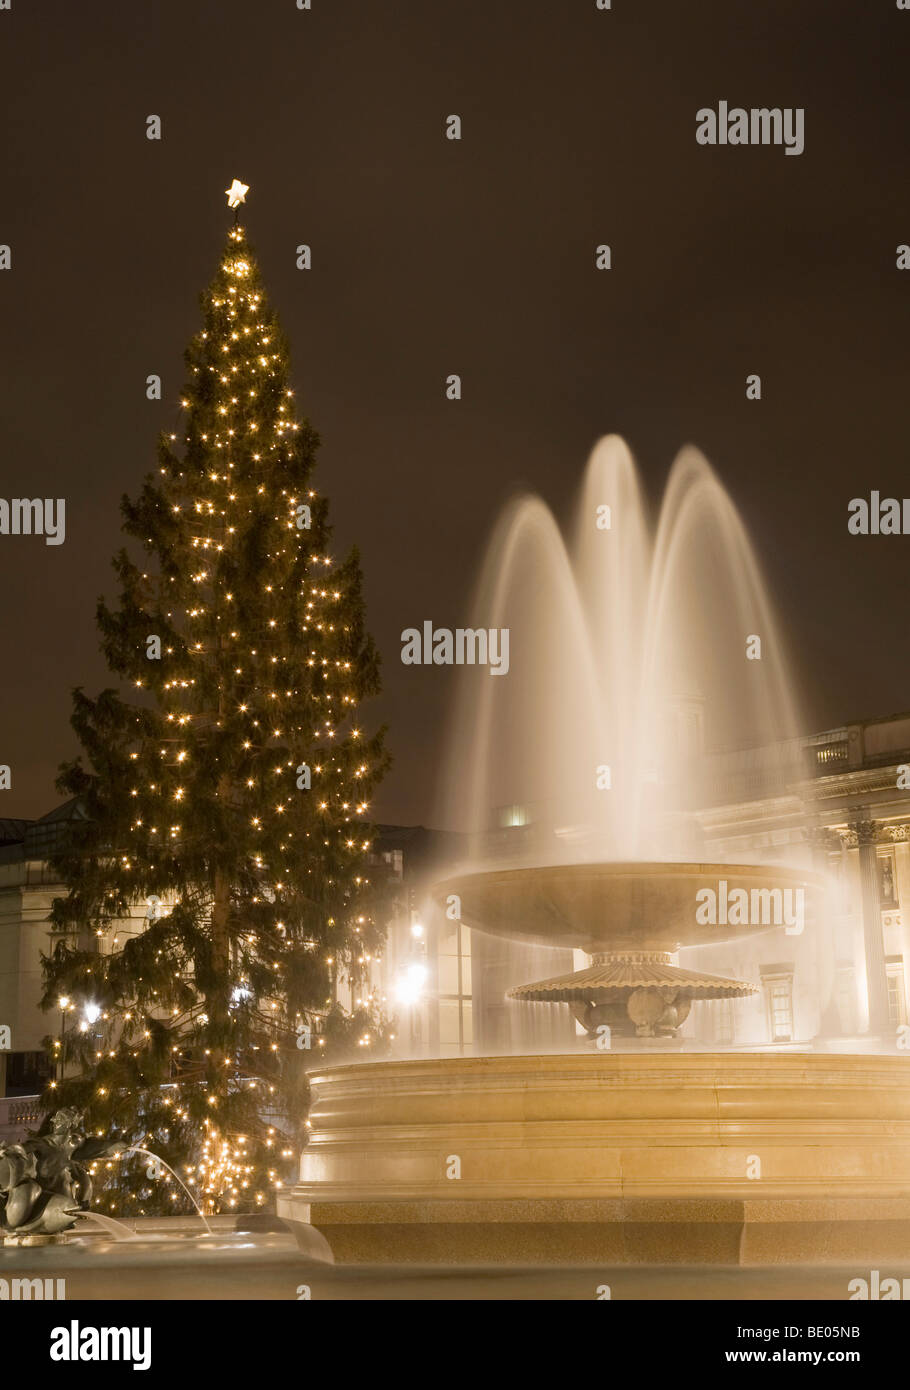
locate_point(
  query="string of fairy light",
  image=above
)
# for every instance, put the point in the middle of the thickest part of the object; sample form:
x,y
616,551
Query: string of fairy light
x,y
231,667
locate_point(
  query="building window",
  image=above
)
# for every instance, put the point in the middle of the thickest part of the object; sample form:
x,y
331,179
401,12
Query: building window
x,y
395,859
780,1007
897,997
455,1034
722,1012
27,1073
886,885
831,754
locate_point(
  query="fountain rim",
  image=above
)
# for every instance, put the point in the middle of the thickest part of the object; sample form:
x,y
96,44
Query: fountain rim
x,y
635,868
582,904
630,1066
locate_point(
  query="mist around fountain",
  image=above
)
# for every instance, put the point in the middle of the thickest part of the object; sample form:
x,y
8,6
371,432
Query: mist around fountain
x,y
641,652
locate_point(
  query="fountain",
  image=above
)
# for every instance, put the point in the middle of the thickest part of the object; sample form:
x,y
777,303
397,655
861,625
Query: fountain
x,y
630,919
45,1195
44,1181
46,1185
633,662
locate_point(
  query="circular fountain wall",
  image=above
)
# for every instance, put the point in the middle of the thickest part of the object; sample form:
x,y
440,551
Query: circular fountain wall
x,y
717,1158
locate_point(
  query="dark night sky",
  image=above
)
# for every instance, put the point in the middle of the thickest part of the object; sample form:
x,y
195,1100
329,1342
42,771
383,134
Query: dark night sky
x,y
433,257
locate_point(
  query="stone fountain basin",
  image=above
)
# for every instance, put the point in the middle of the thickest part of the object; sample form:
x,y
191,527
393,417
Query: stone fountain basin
x,y
719,1158
616,907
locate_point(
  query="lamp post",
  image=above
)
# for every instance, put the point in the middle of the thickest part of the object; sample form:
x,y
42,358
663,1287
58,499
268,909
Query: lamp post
x,y
64,1003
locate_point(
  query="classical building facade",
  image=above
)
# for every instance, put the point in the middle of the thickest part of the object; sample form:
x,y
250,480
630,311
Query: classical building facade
x,y
27,889
838,802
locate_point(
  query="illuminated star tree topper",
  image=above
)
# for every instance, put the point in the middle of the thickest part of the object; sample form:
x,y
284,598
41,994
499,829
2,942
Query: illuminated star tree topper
x,y
236,194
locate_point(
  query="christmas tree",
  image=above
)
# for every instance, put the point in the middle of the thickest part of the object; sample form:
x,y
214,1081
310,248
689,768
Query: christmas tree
x,y
221,876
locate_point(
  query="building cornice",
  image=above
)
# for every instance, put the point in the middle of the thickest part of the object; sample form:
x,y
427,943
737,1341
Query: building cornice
x,y
855,782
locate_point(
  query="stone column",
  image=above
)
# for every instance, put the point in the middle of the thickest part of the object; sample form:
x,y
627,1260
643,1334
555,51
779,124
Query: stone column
x,y
824,945
876,979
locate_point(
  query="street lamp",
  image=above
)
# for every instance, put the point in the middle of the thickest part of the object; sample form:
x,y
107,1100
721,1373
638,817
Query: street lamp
x,y
408,991
409,984
90,1016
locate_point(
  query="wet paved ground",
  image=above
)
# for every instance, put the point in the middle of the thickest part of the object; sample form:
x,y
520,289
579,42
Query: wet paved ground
x,y
271,1267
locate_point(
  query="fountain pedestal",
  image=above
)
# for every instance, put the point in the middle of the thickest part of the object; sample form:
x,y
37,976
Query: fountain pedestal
x,y
635,993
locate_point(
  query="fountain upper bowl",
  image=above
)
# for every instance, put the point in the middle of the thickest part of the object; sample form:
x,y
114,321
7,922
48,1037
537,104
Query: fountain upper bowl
x,y
622,907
